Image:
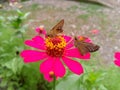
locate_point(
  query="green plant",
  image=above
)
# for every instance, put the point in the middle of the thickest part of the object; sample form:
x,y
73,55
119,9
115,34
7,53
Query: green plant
x,y
17,20
2,22
88,81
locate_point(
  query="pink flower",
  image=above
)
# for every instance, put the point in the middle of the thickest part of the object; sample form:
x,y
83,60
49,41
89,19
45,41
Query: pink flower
x,y
54,53
40,30
95,31
117,59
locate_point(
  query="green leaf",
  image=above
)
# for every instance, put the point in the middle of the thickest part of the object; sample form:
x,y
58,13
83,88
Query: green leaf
x,y
102,87
10,88
70,83
15,65
9,73
3,83
23,28
18,34
25,15
21,88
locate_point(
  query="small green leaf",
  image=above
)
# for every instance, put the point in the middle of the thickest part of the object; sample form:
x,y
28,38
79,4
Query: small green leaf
x,y
3,83
18,34
102,87
10,88
26,15
70,83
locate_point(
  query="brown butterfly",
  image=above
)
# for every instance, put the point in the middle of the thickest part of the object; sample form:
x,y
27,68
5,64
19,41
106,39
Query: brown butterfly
x,y
56,30
85,47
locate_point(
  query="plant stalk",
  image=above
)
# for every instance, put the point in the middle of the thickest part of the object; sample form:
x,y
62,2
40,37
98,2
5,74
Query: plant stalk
x,y
54,83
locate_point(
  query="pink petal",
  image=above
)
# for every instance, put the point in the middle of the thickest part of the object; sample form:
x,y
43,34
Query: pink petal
x,y
74,66
36,42
117,55
47,77
76,54
32,56
59,69
88,40
47,65
37,29
67,38
117,63
70,44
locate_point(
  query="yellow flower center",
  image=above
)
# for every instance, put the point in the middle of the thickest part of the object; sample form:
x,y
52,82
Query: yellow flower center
x,y
55,46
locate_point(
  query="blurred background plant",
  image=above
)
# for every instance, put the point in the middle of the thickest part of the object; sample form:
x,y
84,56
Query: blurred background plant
x,y
2,21
14,74
17,22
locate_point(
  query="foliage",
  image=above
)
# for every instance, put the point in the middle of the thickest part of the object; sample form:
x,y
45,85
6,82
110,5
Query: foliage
x,y
102,79
88,81
17,22
14,74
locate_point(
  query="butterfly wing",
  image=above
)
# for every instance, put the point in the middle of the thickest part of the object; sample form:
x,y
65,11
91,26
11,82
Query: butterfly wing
x,y
85,47
91,47
57,29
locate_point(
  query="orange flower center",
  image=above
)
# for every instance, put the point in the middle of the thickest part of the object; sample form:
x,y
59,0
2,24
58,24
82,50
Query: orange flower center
x,y
55,46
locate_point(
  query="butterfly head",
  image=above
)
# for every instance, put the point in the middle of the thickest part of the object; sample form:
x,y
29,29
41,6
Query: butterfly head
x,y
80,38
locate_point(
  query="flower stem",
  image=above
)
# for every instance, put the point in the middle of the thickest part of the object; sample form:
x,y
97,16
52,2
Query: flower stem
x,y
54,83
23,39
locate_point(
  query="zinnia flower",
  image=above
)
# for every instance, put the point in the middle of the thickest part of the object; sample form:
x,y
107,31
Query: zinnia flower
x,y
40,30
54,53
117,59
